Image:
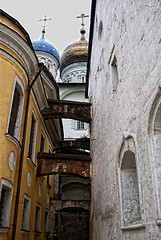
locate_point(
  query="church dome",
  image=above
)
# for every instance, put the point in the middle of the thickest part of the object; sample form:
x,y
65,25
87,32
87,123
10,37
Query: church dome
x,y
44,46
75,52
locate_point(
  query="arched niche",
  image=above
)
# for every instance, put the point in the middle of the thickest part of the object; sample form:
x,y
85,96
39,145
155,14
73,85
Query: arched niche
x,y
129,185
155,151
130,190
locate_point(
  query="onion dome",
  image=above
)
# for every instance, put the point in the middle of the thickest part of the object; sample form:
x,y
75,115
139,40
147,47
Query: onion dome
x,y
75,52
44,46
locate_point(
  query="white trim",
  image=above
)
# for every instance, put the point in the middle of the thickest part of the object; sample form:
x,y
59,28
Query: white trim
x,y
71,91
26,217
133,227
17,44
4,229
35,136
42,134
151,131
38,219
130,144
13,140
16,62
9,185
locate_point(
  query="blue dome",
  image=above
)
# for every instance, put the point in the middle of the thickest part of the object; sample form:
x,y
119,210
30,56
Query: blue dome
x,y
42,45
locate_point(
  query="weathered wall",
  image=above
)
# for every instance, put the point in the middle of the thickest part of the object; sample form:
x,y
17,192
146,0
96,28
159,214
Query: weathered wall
x,y
130,41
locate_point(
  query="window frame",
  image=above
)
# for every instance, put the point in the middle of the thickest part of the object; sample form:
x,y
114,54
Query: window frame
x,y
80,125
38,218
17,128
130,144
32,157
9,185
44,138
26,216
46,221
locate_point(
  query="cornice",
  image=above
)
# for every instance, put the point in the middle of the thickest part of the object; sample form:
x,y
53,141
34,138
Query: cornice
x,y
18,45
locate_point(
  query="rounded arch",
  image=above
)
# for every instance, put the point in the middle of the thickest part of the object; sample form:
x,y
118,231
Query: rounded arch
x,y
128,144
75,191
128,161
153,112
154,132
129,182
70,92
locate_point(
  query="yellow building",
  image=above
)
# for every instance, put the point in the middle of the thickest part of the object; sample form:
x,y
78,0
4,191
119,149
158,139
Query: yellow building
x,y
25,86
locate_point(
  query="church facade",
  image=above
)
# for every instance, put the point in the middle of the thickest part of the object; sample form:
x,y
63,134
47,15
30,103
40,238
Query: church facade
x,y
124,87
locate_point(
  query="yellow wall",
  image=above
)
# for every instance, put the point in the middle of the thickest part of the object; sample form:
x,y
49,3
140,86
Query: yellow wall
x,y
8,71
33,189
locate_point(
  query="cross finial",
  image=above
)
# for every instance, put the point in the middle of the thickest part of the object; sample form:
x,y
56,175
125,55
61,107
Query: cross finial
x,y
82,16
44,20
82,31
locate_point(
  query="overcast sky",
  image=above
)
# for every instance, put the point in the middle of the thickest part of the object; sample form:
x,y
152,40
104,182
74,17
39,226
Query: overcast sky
x,y
64,27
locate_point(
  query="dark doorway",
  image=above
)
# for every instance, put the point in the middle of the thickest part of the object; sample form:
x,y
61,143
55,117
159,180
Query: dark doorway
x,y
73,224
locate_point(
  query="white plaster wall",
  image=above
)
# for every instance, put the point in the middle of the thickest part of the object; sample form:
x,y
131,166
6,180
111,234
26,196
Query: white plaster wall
x,y
131,32
73,93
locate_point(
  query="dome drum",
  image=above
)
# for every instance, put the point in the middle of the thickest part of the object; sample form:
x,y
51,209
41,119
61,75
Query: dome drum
x,y
44,46
76,52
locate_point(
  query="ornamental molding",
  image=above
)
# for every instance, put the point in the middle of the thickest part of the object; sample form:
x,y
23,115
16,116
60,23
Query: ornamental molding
x,y
16,62
18,45
74,65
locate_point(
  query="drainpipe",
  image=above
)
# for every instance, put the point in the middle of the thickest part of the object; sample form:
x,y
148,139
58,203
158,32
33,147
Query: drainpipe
x,y
22,152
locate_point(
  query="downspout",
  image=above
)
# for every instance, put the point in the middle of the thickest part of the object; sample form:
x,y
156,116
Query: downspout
x,y
22,153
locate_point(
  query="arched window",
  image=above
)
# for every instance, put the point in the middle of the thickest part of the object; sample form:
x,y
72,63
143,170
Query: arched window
x,y
129,190
14,124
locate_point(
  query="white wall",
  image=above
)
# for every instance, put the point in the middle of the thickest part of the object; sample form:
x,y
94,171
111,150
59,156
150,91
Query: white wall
x,y
73,93
131,32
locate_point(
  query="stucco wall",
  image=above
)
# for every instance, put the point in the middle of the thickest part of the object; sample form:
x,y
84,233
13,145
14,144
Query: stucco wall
x,y
131,34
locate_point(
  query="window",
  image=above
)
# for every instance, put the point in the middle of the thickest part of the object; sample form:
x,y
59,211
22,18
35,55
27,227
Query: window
x,y
42,143
48,65
49,180
80,125
83,79
130,190
42,60
115,79
14,124
46,221
38,218
5,202
26,213
32,143
49,176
